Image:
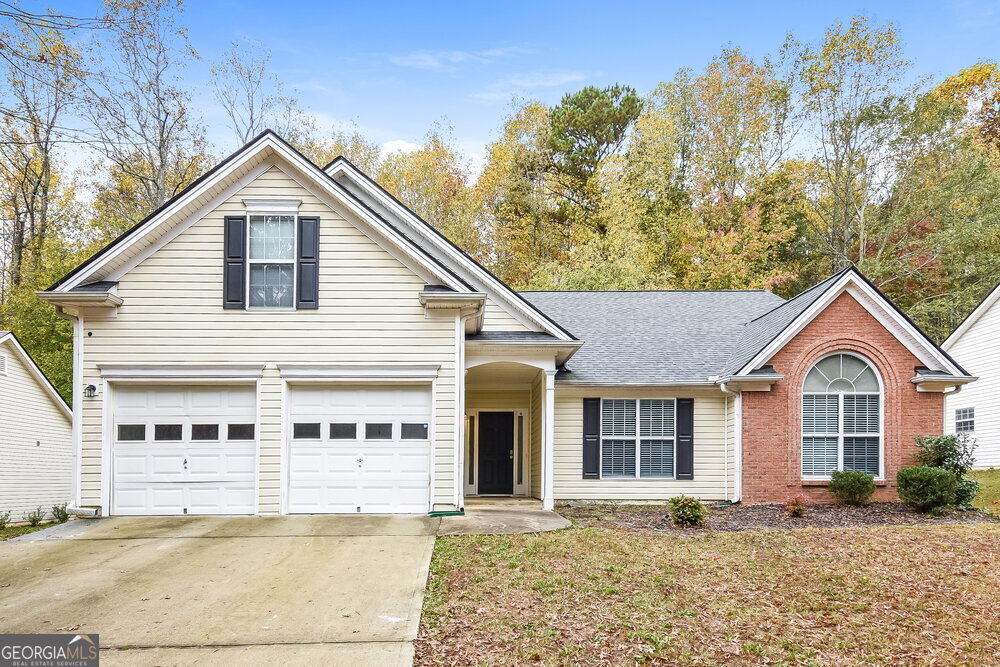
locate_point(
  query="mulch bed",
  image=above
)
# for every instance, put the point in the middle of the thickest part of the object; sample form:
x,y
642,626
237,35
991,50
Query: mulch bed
x,y
734,518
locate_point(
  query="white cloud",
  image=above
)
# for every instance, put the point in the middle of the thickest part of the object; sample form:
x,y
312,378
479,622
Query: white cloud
x,y
521,84
439,61
397,146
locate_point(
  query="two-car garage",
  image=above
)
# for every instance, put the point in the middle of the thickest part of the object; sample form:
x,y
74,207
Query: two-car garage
x,y
183,449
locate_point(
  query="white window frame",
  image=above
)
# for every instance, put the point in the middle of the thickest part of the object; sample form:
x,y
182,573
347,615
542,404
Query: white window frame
x,y
971,420
638,437
294,261
840,434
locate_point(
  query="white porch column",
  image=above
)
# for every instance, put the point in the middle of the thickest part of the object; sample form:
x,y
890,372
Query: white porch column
x,y
548,440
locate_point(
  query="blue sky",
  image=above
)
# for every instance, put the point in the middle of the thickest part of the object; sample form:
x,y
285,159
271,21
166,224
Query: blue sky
x,y
395,68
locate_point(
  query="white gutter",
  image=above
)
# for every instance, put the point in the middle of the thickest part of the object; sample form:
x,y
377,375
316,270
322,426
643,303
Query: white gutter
x,y
737,440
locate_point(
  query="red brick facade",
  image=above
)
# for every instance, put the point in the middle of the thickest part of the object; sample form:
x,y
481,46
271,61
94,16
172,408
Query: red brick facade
x,y
772,419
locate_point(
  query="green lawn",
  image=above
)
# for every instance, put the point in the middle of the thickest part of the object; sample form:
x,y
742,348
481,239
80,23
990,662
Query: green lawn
x,y
608,595
14,531
989,489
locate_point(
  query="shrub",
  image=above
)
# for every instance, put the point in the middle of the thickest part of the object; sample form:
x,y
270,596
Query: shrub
x,y
951,452
4,519
35,518
795,507
59,513
926,489
687,511
965,493
852,487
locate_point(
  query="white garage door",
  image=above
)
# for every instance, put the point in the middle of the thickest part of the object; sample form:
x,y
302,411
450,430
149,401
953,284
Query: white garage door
x,y
184,450
361,449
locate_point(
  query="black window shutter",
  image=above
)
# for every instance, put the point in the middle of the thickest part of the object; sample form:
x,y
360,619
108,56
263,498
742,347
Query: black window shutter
x,y
684,465
234,274
591,438
307,295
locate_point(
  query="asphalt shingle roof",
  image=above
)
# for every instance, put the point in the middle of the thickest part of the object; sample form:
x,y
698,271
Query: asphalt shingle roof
x,y
655,337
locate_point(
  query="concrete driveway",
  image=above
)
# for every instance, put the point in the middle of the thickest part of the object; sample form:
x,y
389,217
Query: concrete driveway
x,y
208,590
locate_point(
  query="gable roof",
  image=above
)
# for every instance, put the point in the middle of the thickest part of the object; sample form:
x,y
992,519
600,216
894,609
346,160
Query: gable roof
x,y
652,337
423,246
36,372
973,317
706,337
769,333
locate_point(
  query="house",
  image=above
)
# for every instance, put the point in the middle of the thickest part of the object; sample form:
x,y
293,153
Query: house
x,y
36,438
976,409
281,338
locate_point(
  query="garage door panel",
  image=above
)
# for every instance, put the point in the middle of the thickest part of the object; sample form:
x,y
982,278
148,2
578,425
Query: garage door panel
x,y
393,475
165,477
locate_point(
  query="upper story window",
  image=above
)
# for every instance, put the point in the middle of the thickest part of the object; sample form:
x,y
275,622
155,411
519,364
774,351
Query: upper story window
x,y
271,261
965,420
841,418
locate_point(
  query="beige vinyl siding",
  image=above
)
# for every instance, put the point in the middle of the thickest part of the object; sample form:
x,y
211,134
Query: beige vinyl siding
x,y
517,399
978,352
709,481
36,442
369,314
496,318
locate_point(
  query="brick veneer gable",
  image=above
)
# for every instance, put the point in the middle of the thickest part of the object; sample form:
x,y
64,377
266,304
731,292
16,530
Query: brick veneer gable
x,y
772,420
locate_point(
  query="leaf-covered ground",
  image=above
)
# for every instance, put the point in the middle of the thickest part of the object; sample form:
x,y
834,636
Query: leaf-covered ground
x,y
607,594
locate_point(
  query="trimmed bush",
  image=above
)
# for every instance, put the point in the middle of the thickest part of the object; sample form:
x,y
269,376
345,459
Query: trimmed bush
x,y
59,513
852,487
4,520
965,493
951,452
687,511
926,489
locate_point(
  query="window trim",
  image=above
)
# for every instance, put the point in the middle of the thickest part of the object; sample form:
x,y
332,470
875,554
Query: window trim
x,y
841,435
971,419
294,261
638,440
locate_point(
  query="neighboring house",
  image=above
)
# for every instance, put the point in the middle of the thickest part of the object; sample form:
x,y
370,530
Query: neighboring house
x,y
976,410
281,338
36,437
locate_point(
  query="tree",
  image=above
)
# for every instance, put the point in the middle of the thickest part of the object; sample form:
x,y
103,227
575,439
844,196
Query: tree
x,y
252,97
586,128
139,109
433,181
856,91
39,88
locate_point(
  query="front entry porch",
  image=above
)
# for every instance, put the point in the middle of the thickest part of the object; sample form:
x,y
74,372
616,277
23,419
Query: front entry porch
x,y
506,416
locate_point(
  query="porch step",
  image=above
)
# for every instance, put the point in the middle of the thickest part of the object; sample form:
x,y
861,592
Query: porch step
x,y
486,502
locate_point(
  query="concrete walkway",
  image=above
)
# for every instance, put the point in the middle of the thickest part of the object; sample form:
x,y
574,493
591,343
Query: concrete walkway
x,y
234,590
499,521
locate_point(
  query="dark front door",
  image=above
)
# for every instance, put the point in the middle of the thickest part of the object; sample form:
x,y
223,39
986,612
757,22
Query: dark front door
x,y
496,452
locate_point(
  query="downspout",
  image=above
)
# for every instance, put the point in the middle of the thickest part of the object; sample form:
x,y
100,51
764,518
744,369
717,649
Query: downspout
x,y
737,440
76,407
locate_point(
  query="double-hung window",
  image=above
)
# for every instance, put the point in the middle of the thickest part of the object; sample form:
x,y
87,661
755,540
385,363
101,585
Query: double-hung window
x,y
965,420
271,261
841,418
638,437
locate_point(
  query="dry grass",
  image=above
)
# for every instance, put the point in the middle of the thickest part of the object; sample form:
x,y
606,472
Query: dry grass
x,y
610,595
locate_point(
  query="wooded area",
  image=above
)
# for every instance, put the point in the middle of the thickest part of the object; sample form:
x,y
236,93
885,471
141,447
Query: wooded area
x,y
740,173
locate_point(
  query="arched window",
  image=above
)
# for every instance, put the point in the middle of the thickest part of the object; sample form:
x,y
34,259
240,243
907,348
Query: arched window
x,y
841,417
